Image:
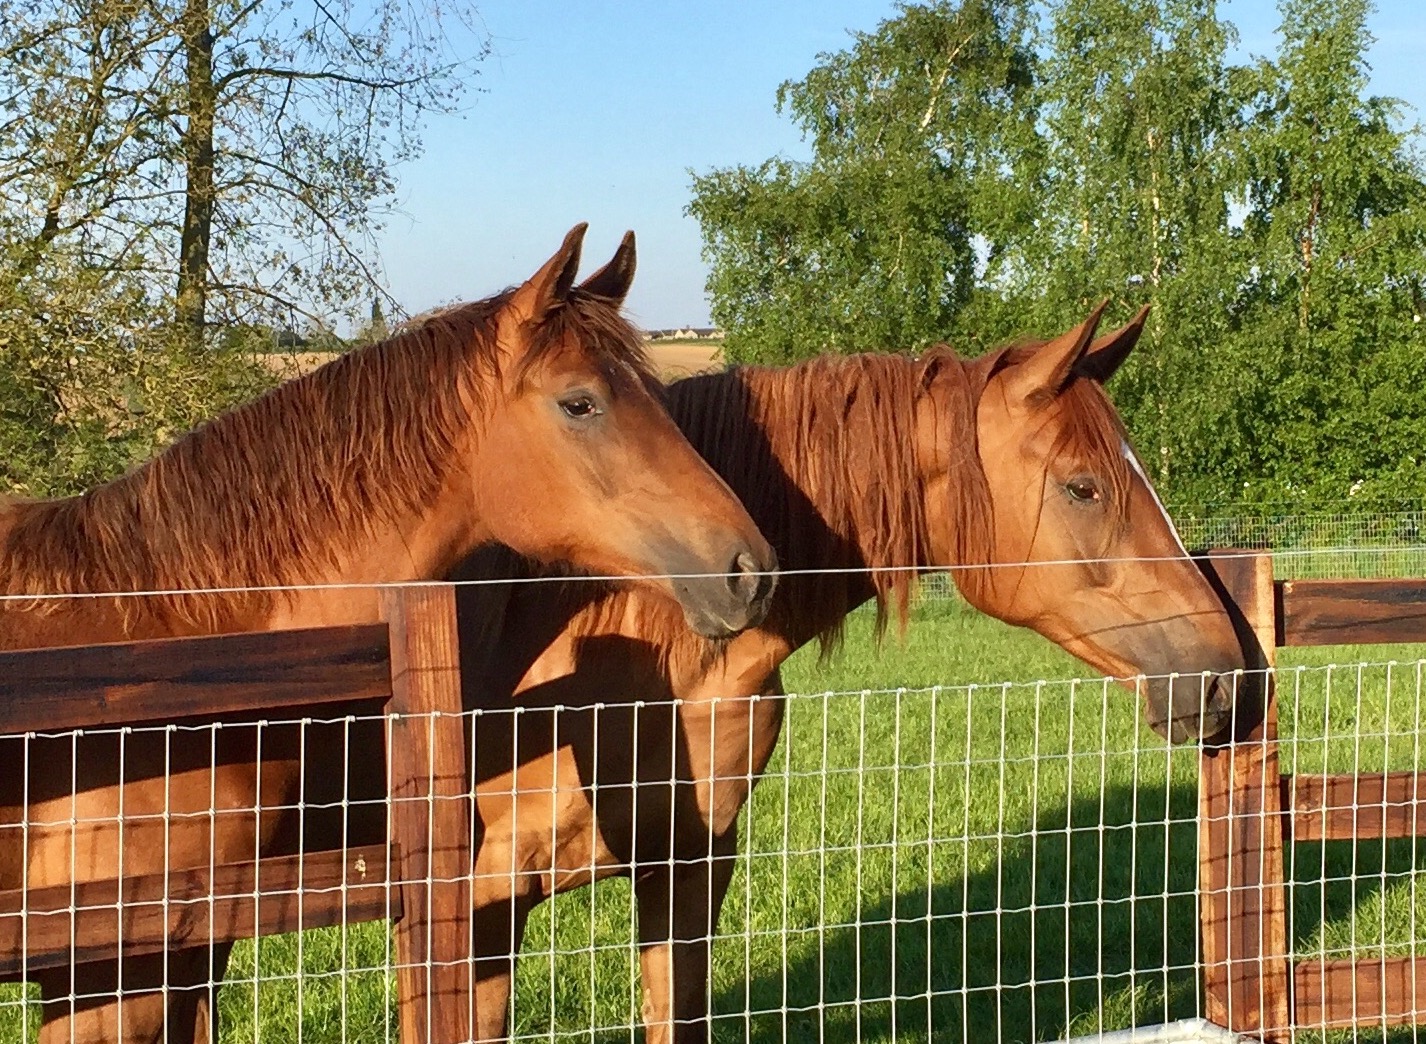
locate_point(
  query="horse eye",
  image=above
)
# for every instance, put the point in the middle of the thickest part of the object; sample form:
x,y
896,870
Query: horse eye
x,y
1083,490
579,407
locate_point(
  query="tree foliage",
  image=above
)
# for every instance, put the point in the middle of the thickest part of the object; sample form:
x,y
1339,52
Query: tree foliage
x,y
914,129
173,172
93,379
241,152
1270,211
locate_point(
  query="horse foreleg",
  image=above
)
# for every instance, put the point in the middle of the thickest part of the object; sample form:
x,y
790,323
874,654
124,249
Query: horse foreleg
x,y
161,999
678,913
205,1017
497,928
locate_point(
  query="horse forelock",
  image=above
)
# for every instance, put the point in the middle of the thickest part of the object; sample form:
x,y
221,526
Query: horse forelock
x,y
601,333
1089,431
1095,434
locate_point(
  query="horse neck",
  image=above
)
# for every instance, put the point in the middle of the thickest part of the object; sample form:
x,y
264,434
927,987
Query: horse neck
x,y
328,478
824,456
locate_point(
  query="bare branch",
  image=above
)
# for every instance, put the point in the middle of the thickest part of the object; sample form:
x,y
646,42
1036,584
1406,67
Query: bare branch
x,y
294,75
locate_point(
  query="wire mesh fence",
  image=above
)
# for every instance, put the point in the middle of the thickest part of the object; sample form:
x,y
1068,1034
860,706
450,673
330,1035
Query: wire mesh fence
x,y
1331,541
156,876
991,861
1314,541
980,863
1354,902
1014,861
1364,900
942,863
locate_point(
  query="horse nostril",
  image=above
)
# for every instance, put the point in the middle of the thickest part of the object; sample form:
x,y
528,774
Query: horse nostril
x,y
766,581
743,580
1223,690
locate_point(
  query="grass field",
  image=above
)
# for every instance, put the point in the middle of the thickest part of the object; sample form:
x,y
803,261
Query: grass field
x,y
935,853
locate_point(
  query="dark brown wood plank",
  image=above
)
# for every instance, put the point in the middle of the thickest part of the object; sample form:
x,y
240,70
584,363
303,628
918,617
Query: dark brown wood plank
x,y
1330,994
1353,612
1344,807
167,679
430,816
1242,901
59,926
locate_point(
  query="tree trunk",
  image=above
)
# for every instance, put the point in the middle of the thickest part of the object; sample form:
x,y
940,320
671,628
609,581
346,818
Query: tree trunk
x,y
1156,327
190,310
1309,235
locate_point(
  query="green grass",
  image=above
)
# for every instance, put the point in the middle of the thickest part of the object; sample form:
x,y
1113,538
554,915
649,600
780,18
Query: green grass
x,y
999,861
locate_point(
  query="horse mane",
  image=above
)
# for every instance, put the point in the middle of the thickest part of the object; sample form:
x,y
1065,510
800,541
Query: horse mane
x,y
280,489
823,455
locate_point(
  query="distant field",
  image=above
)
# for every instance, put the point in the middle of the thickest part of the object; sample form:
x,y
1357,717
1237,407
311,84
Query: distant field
x,y
674,359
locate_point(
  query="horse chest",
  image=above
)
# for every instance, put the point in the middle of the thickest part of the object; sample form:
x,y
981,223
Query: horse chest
x,y
541,839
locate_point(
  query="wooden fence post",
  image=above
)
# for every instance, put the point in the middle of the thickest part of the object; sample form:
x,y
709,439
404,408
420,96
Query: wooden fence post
x,y
430,816
1243,912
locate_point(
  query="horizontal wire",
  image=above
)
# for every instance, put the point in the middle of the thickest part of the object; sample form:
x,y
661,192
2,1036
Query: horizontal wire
x,y
561,578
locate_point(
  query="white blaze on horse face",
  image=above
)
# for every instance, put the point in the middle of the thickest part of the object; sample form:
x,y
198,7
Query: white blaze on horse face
x,y
1139,470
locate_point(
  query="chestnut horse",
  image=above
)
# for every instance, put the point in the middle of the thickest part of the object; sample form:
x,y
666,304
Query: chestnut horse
x,y
1013,469
531,418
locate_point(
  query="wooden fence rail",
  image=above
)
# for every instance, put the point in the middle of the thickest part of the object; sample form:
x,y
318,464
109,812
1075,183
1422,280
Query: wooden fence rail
x,y
1249,811
408,665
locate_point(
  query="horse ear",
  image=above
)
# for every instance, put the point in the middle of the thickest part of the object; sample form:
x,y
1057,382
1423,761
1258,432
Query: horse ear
x,y
612,282
552,283
1108,352
1052,366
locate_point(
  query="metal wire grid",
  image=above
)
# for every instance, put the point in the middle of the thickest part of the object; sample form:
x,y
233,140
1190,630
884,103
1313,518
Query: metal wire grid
x,y
340,979
1307,545
1360,900
1008,862
820,933
1351,543
935,862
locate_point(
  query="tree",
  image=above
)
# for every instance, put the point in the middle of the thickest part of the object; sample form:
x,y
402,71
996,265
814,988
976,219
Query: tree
x,y
177,176
880,239
243,149
1335,222
1135,99
1271,213
92,382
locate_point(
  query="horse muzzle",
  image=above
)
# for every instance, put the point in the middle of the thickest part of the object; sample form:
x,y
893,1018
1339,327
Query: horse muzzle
x,y
722,605
1185,707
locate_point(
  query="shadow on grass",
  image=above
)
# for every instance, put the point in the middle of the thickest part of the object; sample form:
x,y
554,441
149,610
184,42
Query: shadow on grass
x,y
1088,923
1088,913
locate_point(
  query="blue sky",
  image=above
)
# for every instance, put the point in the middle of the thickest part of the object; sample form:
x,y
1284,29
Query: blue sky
x,y
596,111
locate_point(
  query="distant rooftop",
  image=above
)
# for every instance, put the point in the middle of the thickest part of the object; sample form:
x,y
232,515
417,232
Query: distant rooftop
x,y
685,333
